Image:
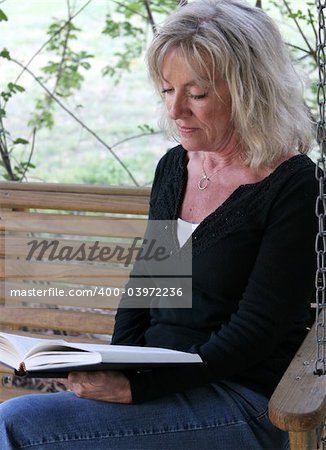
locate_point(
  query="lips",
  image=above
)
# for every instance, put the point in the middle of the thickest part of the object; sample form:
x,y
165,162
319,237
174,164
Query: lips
x,y
186,130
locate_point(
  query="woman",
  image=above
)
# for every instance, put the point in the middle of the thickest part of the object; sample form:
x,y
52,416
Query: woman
x,y
240,179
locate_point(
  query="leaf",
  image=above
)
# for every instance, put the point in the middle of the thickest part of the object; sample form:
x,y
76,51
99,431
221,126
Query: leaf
x,y
20,141
145,128
5,95
15,87
2,113
112,28
3,16
5,54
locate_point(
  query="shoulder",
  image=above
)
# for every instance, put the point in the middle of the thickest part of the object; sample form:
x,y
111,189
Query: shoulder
x,y
295,191
169,167
173,158
290,189
297,172
168,178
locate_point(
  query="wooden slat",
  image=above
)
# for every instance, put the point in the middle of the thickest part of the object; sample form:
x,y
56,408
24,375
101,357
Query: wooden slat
x,y
72,225
299,402
84,274
75,188
4,370
78,339
71,201
79,322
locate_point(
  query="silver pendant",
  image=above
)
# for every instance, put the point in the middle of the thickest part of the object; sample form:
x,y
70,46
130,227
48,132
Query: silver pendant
x,y
203,182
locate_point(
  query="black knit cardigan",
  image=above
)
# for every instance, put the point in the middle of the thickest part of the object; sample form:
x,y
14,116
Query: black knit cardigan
x,y
253,266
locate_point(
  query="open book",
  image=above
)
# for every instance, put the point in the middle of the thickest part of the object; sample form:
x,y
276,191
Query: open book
x,y
48,357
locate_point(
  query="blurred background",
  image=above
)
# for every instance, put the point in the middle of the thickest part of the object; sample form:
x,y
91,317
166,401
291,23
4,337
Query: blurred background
x,y
76,104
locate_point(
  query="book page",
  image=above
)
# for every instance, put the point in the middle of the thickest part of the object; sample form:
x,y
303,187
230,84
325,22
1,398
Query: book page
x,y
134,354
61,359
22,345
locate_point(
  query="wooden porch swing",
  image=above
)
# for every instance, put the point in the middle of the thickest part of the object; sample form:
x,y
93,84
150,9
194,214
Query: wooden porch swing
x,y
298,404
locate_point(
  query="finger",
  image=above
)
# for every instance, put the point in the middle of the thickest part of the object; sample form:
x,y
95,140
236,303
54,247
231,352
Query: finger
x,y
78,377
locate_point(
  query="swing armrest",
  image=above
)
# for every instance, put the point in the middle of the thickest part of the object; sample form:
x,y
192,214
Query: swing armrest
x,y
299,402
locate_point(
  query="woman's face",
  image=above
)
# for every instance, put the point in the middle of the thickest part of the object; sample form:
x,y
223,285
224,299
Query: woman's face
x,y
203,117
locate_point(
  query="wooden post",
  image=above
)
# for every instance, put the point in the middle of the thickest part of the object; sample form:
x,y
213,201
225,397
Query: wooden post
x,y
303,440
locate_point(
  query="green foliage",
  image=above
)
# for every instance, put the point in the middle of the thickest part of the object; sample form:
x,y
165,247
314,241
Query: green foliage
x,y
12,89
66,68
131,24
20,141
5,54
63,75
137,7
64,72
145,128
43,114
294,13
134,43
3,16
7,151
21,168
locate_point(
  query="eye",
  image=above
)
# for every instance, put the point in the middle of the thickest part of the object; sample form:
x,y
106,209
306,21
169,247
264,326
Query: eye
x,y
167,90
198,96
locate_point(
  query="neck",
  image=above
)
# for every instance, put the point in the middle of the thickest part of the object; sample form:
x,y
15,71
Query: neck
x,y
225,154
212,161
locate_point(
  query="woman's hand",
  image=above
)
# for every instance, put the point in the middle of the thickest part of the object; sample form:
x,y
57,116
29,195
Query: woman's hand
x,y
106,386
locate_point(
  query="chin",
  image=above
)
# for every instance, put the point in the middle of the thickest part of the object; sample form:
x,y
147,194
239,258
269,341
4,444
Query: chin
x,y
192,146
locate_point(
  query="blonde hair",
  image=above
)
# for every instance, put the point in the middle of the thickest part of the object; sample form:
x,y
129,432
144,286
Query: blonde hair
x,y
243,45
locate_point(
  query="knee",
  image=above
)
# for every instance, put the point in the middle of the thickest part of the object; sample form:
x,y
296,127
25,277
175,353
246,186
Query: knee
x,y
8,417
13,415
8,412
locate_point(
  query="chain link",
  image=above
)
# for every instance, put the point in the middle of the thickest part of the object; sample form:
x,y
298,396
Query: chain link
x,y
320,245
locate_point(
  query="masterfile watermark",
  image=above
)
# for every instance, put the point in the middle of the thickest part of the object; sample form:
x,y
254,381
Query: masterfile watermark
x,y
58,251
126,262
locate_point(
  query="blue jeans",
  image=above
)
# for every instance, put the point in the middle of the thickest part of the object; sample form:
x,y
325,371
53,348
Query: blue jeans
x,y
221,416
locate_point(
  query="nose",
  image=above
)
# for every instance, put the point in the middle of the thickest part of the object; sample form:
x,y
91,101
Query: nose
x,y
178,107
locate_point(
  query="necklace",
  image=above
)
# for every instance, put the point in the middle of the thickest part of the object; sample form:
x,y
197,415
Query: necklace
x,y
203,182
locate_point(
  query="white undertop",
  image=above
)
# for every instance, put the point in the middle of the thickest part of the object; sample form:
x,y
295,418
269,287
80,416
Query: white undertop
x,y
185,230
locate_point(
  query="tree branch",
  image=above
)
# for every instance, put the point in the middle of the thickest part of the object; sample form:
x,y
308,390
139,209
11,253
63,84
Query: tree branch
x,y
130,9
30,155
150,16
312,23
304,50
81,123
311,50
50,39
64,49
4,150
136,136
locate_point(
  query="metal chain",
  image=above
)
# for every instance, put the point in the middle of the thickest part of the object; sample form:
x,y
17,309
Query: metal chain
x,y
320,366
